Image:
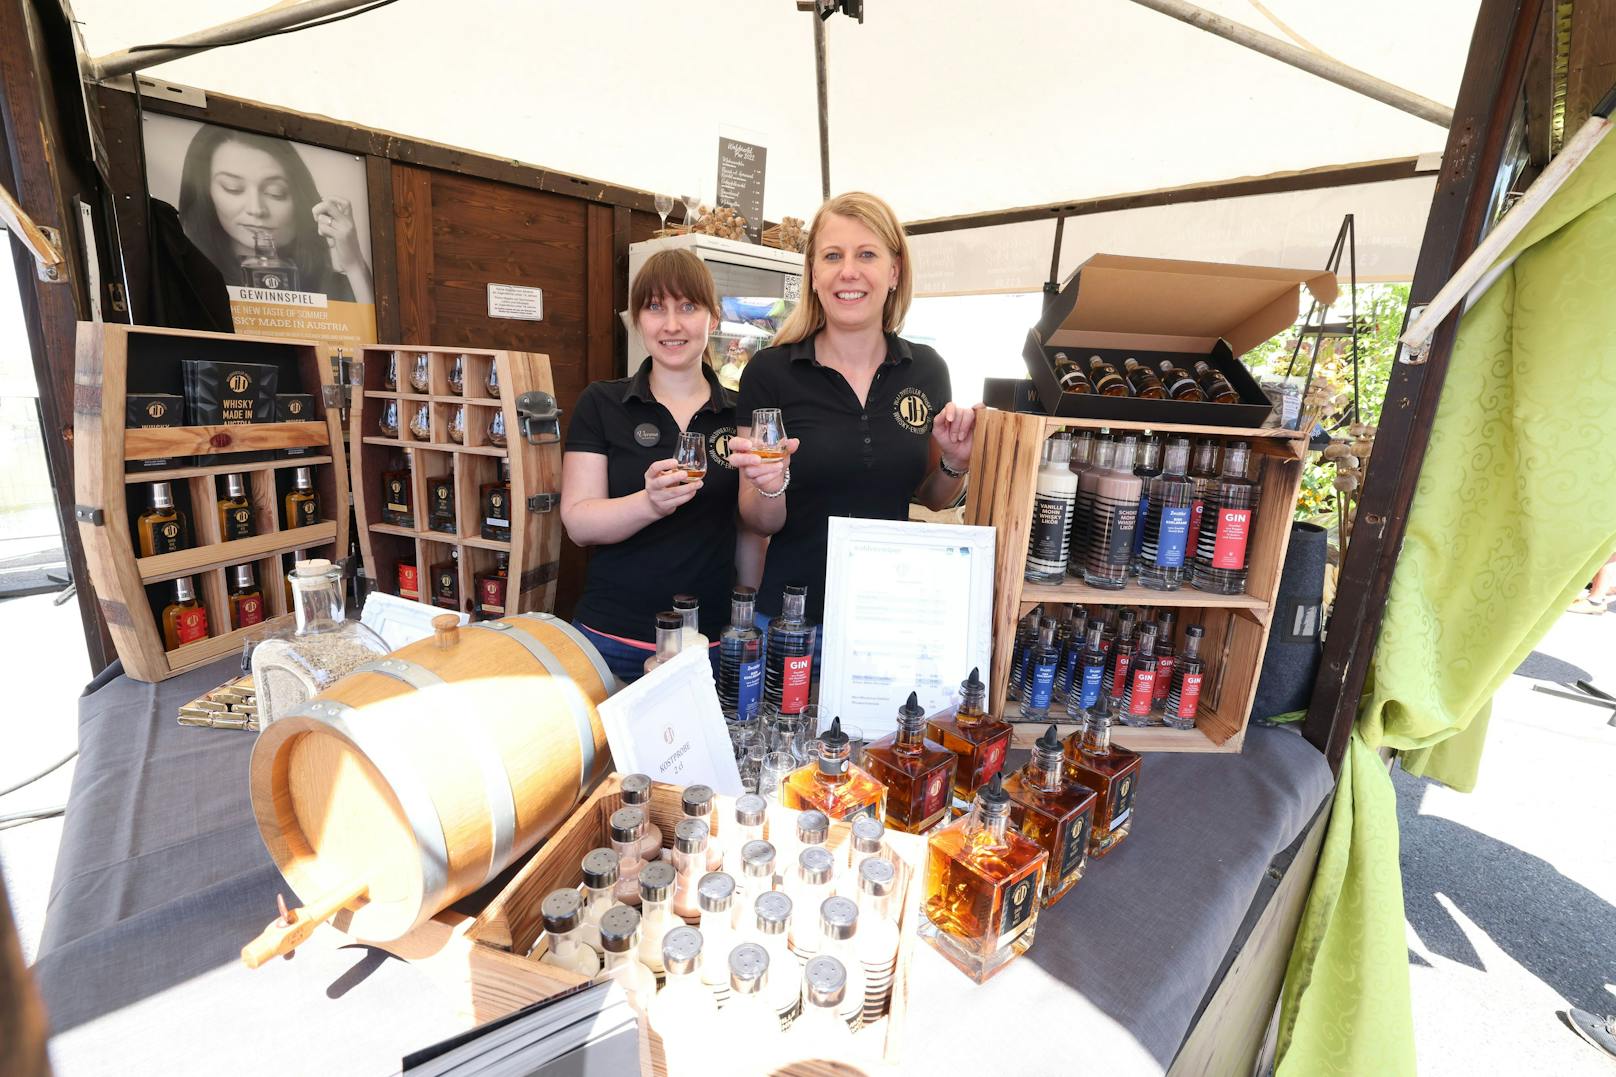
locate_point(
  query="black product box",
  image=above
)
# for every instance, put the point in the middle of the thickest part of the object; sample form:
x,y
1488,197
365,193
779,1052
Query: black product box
x,y
229,394
1150,309
146,411
296,408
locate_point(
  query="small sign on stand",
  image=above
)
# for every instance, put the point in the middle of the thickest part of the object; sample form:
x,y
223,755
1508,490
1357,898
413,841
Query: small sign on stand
x,y
741,167
668,724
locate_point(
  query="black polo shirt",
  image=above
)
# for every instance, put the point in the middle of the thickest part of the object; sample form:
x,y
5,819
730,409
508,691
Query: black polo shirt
x,y
692,549
854,459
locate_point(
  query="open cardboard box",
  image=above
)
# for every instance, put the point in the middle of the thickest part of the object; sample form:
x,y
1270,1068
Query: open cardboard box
x,y
1151,309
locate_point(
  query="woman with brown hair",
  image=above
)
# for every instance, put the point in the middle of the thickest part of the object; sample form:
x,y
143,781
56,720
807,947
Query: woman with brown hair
x,y
656,530
870,415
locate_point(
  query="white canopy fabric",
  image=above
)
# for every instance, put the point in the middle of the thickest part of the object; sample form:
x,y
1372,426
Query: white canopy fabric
x,y
941,106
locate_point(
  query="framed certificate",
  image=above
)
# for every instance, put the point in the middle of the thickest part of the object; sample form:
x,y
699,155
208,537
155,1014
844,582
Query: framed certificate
x,y
668,724
908,608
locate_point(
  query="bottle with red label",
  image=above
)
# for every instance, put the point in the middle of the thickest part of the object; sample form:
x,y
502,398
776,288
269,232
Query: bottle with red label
x,y
977,740
1223,544
246,600
1166,658
1120,656
789,665
917,771
1204,478
184,619
1178,710
1140,694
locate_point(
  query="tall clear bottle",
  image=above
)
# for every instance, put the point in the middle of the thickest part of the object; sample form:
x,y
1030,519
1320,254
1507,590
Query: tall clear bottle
x,y
620,938
1088,684
1147,465
288,671
838,934
669,639
1165,522
740,657
772,914
689,609
1184,697
1112,491
1138,699
789,663
1040,689
1223,545
1052,508
1204,477
878,934
1083,462
656,911
683,1014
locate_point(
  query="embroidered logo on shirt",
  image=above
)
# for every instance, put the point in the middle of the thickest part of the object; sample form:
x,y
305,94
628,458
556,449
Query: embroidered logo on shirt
x,y
718,445
913,410
647,434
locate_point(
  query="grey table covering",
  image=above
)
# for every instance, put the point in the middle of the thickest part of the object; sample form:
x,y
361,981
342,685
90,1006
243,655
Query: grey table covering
x,y
162,877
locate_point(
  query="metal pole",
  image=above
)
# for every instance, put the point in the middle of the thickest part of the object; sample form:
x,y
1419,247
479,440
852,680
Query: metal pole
x,y
128,61
824,107
1323,66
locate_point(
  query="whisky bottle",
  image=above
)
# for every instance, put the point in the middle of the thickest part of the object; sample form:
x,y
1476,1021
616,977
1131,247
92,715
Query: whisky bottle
x,y
1071,640
495,499
1105,379
1166,656
235,511
688,607
302,502
446,581
656,914
1204,477
1053,502
1039,690
619,941
1147,467
1184,697
982,885
747,1023
265,268
669,637
440,500
878,934
832,783
1083,511
397,496
809,886
1179,382
491,587
1165,522
1070,376
246,600
1139,697
1049,808
789,658
1089,681
184,619
771,928
1230,515
1146,385
977,741
1215,385
162,528
917,771
409,580
1111,772
1119,659
740,658
1021,651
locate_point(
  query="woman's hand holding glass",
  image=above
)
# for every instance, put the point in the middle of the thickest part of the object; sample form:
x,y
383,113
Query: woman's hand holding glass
x,y
764,456
668,487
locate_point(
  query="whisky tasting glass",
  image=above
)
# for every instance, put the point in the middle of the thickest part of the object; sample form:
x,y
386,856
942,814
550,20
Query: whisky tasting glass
x,y
457,426
664,206
420,376
387,422
492,381
390,378
496,429
773,772
768,431
457,376
692,455
421,424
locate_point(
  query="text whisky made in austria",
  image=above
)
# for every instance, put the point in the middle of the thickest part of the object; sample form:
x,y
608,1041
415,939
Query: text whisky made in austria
x,y
1057,812
917,771
977,740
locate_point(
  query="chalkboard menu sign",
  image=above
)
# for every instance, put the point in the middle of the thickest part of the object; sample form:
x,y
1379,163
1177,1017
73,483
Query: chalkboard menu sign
x,y
740,181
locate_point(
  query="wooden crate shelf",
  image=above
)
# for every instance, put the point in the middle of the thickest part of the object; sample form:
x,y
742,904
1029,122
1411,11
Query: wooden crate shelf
x,y
111,361
1004,470
534,548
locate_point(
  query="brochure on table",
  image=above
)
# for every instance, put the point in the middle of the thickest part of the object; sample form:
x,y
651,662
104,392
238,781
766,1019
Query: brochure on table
x,y
908,608
668,724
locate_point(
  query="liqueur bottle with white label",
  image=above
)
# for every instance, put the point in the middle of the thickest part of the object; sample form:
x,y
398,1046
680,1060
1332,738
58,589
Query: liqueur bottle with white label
x,y
1184,697
1222,547
1111,772
1165,524
917,771
982,887
1052,507
740,657
977,740
833,784
1111,491
1055,811
789,665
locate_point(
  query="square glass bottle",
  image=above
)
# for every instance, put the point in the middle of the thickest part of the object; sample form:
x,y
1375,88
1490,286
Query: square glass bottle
x,y
917,771
1055,811
977,741
832,783
1111,772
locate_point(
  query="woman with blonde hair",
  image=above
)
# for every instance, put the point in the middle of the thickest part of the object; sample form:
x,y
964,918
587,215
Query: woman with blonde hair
x,y
870,415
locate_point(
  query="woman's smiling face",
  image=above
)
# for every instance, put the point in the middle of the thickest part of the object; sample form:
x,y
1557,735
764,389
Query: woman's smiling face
x,y
251,193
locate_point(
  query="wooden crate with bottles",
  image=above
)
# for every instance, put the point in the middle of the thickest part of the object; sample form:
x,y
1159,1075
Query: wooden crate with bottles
x,y
457,477
193,497
1004,476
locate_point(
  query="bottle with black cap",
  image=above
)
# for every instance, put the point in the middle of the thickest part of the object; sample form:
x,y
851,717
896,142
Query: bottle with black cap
x,y
771,924
877,934
689,609
656,912
1054,810
833,783
563,913
683,1013
627,829
917,771
1184,693
820,1031
740,657
715,893
977,740
619,940
670,627
1111,772
838,932
748,1024
600,868
635,789
982,886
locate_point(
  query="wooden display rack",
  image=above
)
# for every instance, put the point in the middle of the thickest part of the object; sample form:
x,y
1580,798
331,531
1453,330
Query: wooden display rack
x,y
107,357
533,448
1004,469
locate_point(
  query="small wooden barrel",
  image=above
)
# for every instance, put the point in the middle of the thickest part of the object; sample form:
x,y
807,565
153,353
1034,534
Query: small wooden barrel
x,y
422,775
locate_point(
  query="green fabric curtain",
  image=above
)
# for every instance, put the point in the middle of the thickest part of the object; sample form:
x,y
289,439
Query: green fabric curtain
x,y
1513,514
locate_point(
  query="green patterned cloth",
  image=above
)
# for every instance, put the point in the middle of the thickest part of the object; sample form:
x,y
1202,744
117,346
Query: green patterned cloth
x,y
1514,512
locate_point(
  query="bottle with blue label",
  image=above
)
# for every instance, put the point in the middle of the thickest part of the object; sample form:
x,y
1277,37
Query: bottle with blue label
x,y
1165,525
1071,641
1021,653
1039,689
1089,681
1147,467
740,657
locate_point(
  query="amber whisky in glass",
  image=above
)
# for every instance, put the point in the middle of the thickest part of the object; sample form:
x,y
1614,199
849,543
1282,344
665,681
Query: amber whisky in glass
x,y
917,771
1111,772
982,887
1050,808
831,783
977,741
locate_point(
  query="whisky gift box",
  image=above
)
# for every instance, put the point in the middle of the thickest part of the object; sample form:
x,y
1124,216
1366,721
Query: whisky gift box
x,y
229,394
295,408
147,411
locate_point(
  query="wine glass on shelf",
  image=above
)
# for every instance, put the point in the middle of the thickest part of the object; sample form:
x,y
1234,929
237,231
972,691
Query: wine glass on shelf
x,y
692,455
692,205
664,206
